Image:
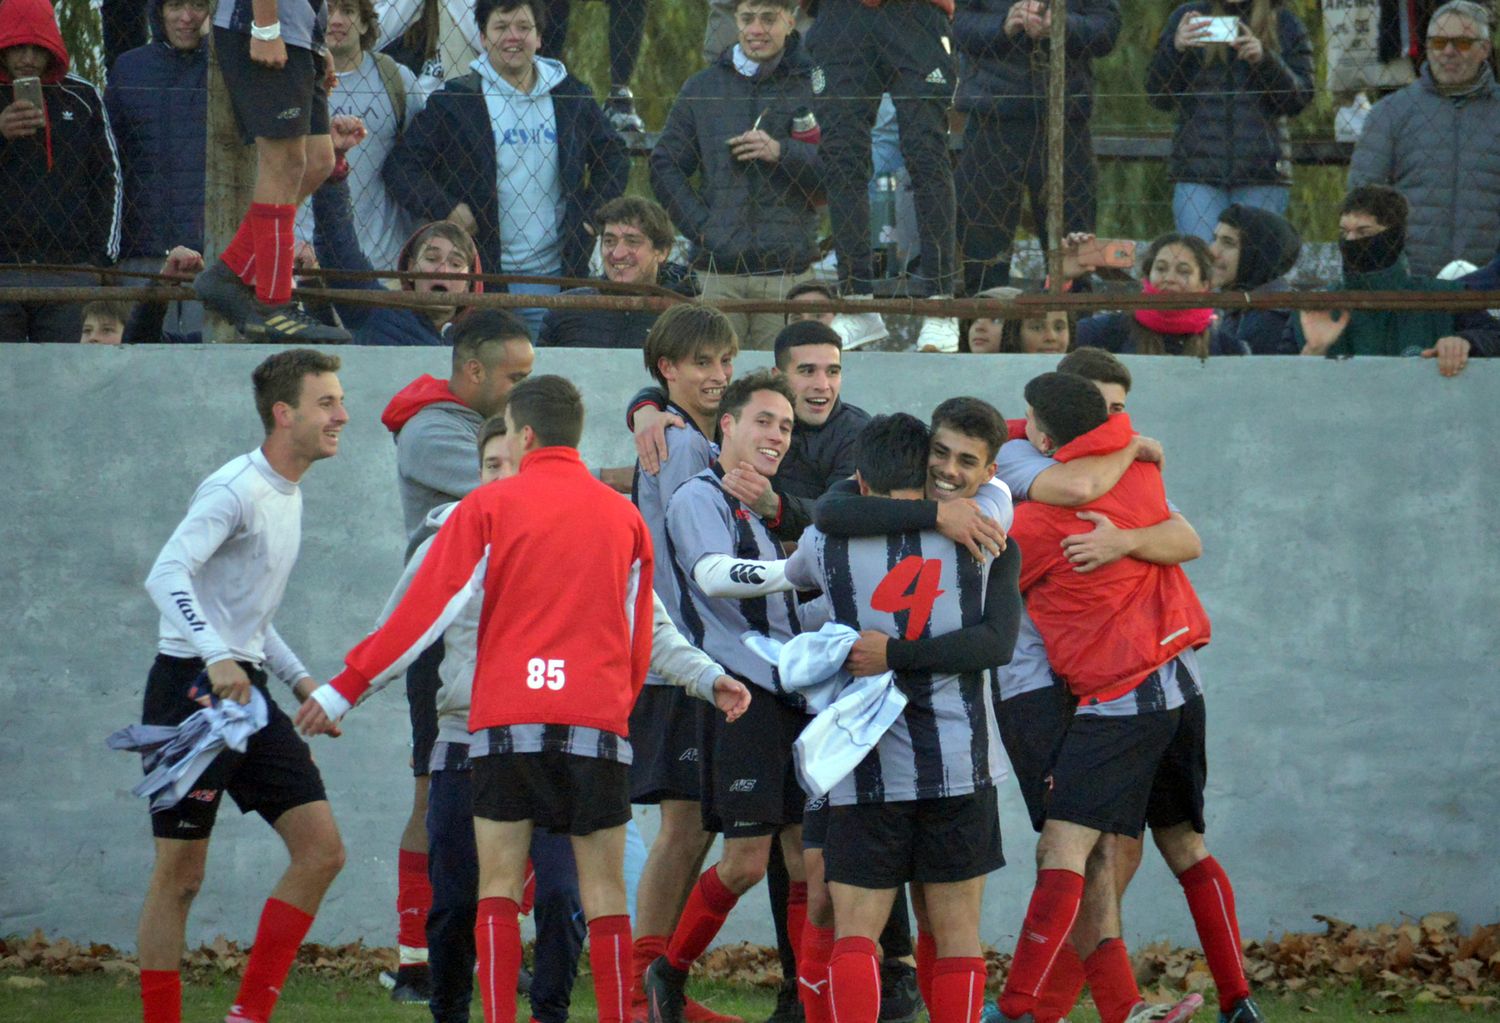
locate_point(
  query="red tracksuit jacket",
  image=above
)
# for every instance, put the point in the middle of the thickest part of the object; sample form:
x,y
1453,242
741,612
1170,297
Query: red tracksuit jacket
x,y
564,564
1108,629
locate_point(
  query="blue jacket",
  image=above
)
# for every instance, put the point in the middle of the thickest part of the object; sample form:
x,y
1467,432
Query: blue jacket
x,y
447,157
1006,76
338,249
158,107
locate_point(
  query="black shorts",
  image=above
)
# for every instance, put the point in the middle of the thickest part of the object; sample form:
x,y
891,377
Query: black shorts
x,y
274,774
422,685
924,841
272,103
1032,726
1117,774
664,735
815,823
750,784
564,793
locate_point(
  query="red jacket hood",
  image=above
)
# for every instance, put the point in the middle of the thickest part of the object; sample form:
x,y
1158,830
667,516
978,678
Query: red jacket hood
x,y
1104,439
413,398
32,22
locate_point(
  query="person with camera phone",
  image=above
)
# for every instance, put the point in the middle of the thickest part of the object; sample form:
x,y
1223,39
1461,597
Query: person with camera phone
x,y
1232,71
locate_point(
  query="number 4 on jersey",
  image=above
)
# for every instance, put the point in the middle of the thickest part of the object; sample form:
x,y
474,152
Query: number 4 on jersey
x,y
911,586
545,673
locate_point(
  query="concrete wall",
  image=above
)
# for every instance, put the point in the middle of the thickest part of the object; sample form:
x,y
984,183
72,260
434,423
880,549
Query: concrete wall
x,y
1347,511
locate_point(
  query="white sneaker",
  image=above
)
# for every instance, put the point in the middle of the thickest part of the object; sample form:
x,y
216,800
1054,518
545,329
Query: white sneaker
x,y
1179,1012
938,334
860,329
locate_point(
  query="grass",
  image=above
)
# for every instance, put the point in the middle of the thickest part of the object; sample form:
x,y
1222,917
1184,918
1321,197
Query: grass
x,y
96,998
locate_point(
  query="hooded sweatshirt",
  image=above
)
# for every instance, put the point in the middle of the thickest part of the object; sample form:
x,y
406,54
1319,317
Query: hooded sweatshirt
x,y
1269,246
436,458
527,167
59,188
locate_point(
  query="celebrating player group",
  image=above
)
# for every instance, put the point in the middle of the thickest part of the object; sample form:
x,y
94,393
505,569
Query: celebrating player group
x,y
809,631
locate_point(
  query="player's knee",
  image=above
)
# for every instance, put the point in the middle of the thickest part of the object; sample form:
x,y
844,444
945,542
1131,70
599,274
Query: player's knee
x,y
324,859
739,873
316,168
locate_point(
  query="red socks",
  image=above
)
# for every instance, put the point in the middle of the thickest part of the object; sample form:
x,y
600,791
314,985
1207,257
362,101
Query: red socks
x,y
1062,987
1112,981
647,949
796,916
1049,918
707,906
812,972
957,990
854,981
282,928
926,959
1210,899
271,227
610,959
497,947
161,996
239,255
413,900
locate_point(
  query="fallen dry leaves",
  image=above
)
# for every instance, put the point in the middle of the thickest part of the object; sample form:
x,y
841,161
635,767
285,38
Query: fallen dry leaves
x,y
1416,961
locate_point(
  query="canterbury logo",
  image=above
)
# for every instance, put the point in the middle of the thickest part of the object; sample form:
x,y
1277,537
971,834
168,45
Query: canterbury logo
x,y
752,574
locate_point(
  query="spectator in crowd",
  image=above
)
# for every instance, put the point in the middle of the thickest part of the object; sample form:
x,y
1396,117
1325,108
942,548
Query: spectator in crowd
x,y
751,213
385,96
1231,101
862,51
815,290
1253,250
1372,230
526,206
434,39
157,99
59,175
627,29
1003,90
439,247
1049,333
104,322
635,239
1174,264
1438,141
1486,278
148,320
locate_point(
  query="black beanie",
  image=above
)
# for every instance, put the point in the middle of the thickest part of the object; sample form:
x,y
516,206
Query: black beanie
x,y
1269,246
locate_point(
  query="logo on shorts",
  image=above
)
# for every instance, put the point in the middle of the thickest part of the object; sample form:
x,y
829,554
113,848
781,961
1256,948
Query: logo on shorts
x,y
814,805
689,756
204,795
292,113
752,574
819,81
743,785
936,77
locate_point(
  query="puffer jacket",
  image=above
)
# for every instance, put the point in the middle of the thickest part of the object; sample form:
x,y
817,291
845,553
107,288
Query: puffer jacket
x,y
158,106
1443,154
1231,115
747,217
1005,76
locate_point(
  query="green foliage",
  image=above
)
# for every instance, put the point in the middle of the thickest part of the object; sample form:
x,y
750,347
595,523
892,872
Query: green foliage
x,y
83,37
669,55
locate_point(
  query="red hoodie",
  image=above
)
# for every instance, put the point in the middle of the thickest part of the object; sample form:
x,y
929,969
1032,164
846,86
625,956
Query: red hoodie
x,y
1108,629
33,23
413,398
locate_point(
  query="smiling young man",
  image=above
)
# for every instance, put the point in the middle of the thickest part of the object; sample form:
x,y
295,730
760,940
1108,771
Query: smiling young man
x,y
218,583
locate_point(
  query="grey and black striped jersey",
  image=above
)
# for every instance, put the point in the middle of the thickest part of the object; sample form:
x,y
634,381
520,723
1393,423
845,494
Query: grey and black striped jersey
x,y
702,519
579,740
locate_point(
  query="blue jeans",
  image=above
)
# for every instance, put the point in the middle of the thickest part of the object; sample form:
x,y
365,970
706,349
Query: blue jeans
x,y
1196,207
532,317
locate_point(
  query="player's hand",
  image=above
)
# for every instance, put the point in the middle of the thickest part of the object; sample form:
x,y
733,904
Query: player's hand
x,y
229,681
651,437
304,257
749,486
731,696
1321,328
182,262
1105,545
1148,449
1247,46
964,523
268,52
347,131
464,218
867,656
311,719
755,145
1451,353
22,119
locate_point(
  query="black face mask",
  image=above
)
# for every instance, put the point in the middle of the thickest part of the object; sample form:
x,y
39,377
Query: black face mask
x,y
1377,252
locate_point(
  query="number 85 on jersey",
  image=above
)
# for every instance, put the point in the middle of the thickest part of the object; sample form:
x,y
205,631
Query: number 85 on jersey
x,y
549,673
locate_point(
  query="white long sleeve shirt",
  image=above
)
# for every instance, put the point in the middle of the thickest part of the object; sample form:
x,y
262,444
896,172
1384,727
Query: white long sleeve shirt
x,y
221,576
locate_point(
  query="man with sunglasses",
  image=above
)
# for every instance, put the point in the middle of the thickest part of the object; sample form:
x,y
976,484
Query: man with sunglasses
x,y
1438,142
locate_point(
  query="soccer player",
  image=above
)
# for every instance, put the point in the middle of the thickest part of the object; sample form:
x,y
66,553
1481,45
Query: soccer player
x,y
551,698
278,77
920,808
751,794
218,582
690,352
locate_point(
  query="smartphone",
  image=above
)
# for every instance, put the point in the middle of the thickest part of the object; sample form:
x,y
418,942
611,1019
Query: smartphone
x,y
29,89
1108,252
1222,29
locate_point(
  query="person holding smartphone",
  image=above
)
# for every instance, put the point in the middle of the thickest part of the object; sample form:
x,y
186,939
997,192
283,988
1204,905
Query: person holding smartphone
x,y
1232,96
59,175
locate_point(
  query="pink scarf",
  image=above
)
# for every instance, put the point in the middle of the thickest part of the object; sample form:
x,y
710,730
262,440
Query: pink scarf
x,y
1172,321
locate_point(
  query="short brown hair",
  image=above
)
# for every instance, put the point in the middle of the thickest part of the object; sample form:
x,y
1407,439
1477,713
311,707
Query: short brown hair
x,y
109,309
738,394
551,406
684,330
491,428
1388,206
461,239
366,11
637,211
972,417
1097,365
279,379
